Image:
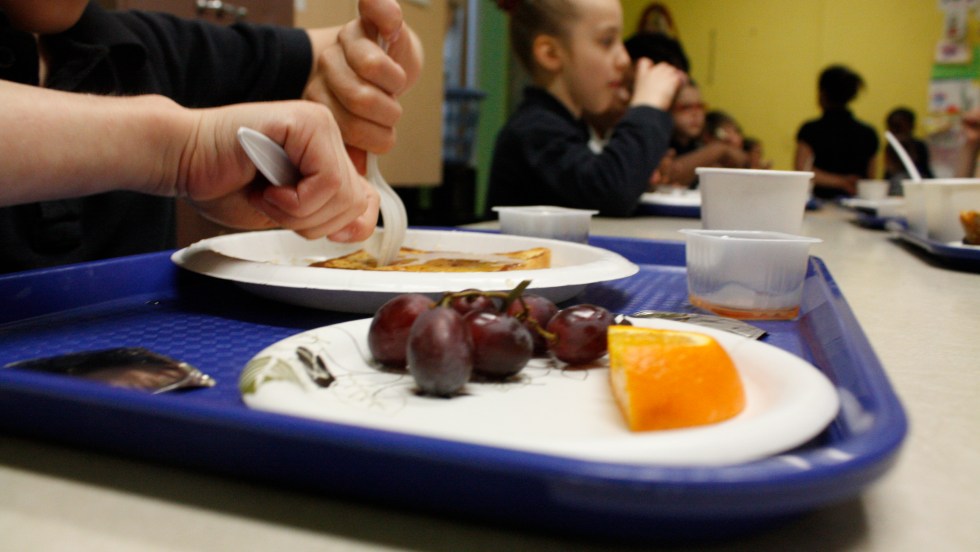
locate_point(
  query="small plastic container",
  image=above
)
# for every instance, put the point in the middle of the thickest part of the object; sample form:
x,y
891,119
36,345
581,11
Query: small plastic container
x,y
749,199
915,206
873,189
944,199
747,274
546,221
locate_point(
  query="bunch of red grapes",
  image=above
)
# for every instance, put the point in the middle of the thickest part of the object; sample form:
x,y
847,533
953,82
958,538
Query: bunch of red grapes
x,y
486,335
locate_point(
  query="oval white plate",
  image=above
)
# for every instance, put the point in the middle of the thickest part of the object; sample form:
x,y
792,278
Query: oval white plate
x,y
569,413
275,264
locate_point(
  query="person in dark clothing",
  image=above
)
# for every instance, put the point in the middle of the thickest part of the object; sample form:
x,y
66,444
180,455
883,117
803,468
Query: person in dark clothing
x,y
577,62
837,147
657,47
57,207
901,122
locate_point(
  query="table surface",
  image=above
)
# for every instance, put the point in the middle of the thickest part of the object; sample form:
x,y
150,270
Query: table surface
x,y
920,316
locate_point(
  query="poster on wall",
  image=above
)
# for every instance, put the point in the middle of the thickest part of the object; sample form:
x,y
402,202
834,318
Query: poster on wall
x,y
954,86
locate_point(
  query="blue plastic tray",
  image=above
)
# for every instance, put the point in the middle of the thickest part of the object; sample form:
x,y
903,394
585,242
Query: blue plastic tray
x,y
967,258
146,301
694,211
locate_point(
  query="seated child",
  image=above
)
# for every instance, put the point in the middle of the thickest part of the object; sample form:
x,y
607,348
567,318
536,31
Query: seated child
x,y
578,64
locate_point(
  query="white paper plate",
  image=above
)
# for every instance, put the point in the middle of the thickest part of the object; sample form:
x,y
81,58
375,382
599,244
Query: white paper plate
x,y
569,413
275,264
677,198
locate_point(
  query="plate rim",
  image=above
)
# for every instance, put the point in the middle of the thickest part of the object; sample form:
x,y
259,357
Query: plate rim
x,y
200,258
817,388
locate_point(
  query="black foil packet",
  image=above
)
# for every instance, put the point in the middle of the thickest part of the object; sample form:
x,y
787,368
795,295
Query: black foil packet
x,y
129,367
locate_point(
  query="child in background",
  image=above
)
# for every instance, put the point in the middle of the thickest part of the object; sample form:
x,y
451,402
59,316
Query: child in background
x,y
577,62
722,127
837,147
757,155
901,123
688,140
657,47
719,126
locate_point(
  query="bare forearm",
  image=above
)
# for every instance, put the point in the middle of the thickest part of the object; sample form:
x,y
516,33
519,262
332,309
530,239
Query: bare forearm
x,y
834,180
966,164
711,155
57,144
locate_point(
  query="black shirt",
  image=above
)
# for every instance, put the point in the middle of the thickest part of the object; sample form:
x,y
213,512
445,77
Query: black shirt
x,y
841,144
195,63
542,157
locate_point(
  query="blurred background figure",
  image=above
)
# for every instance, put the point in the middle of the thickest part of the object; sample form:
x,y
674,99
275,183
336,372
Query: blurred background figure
x,y
688,140
757,154
657,47
578,64
967,163
837,147
656,18
720,126
901,123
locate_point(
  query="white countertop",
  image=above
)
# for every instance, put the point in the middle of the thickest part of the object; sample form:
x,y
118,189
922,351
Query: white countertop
x,y
922,319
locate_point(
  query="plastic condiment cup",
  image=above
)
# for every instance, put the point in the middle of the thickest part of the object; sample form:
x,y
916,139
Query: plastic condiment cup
x,y
546,221
872,189
750,199
915,206
747,274
944,199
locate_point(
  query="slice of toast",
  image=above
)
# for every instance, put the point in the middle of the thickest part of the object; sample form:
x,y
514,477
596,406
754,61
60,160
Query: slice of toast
x,y
417,260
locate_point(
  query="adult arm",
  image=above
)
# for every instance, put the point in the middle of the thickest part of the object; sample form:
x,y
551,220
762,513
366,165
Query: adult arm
x,y
59,145
715,154
359,80
966,164
201,64
804,162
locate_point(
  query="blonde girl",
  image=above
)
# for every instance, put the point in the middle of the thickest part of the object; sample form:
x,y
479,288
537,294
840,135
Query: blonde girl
x,y
574,54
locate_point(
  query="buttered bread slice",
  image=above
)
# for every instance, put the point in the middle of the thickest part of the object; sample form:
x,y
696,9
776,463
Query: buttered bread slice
x,y
417,260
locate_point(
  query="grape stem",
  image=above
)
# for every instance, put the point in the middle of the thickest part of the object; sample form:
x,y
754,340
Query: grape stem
x,y
508,297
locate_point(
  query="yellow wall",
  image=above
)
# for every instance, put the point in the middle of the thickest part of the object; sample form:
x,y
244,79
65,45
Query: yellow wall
x,y
759,59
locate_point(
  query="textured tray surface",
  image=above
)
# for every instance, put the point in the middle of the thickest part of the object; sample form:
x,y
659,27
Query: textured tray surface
x,y
214,325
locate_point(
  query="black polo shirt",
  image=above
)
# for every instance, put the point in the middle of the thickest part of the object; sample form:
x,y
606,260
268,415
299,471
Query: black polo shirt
x,y
195,63
841,144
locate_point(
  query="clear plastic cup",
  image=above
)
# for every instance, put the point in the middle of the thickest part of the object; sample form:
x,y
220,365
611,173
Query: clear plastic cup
x,y
546,221
750,199
915,206
944,199
747,274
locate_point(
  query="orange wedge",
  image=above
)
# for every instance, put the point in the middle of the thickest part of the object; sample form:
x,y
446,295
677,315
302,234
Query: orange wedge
x,y
668,379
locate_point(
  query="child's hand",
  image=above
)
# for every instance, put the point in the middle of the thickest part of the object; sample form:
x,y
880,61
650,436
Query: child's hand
x,y
331,199
656,85
359,81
